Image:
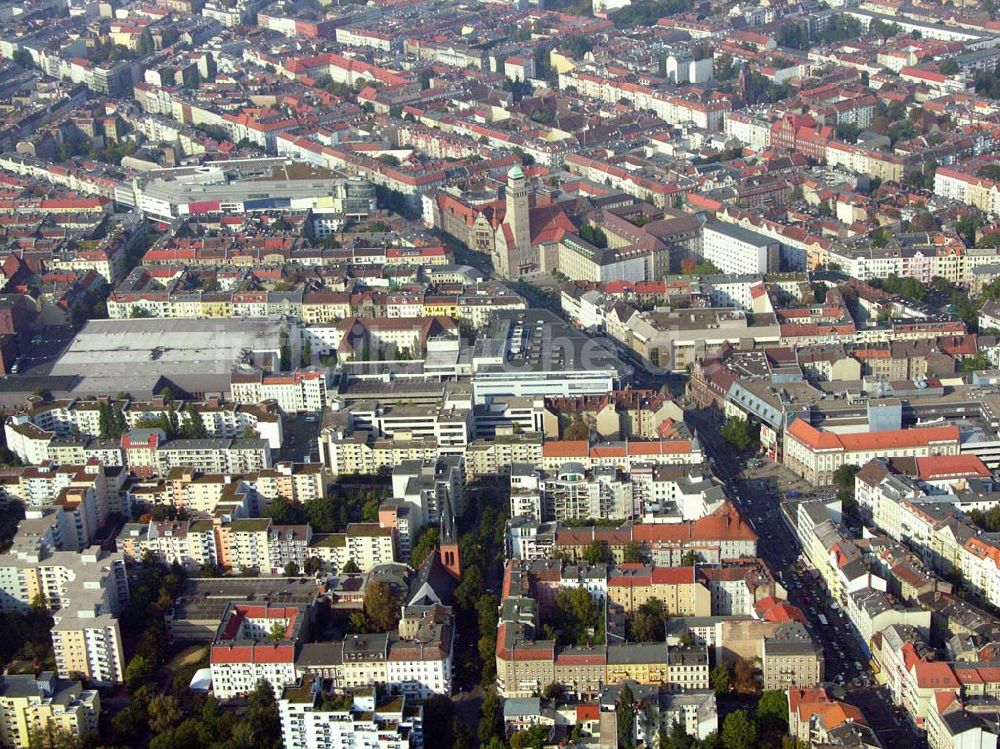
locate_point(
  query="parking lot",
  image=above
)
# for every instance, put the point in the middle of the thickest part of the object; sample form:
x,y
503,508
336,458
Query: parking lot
x,y
300,434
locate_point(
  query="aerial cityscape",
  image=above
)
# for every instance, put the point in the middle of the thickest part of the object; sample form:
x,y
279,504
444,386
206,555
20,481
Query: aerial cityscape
x,y
430,374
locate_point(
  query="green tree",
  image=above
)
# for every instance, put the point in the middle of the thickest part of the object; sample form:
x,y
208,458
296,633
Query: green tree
x,y
285,512
633,553
625,714
163,713
324,514
439,715
987,520
577,45
427,542
532,738
883,30
291,570
577,430
262,725
843,477
285,351
554,691
968,225
490,717
975,363
23,58
314,564
739,433
648,12
720,679
118,424
129,724
138,672
848,132
648,624
307,352
381,607
596,552
772,709
369,510
948,67
487,619
581,622
743,676
689,559
738,731
350,568
594,234
470,587
104,420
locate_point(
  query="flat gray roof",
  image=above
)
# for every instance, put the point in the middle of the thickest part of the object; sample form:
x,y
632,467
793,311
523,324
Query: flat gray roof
x,y
131,355
740,234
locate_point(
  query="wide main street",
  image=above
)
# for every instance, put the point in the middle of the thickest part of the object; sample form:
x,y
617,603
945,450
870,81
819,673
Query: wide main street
x,y
758,493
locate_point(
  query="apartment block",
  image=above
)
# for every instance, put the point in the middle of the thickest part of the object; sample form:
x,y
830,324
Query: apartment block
x,y
368,545
312,718
254,642
733,249
298,392
30,705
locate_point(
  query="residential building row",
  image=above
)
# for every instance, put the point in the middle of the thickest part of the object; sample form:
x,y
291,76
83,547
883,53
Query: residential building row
x,y
143,452
926,505
722,535
101,417
258,640
526,661
651,493
242,543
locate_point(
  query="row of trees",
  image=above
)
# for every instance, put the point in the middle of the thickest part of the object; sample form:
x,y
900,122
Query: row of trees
x,y
911,288
797,36
481,547
329,514
648,12
988,520
598,552
196,721
593,234
112,424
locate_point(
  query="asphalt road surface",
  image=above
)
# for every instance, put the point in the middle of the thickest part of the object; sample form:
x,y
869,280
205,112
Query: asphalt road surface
x,y
759,493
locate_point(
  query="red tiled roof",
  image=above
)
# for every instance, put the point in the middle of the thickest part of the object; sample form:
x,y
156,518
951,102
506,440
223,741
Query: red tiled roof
x,y
935,675
950,466
254,653
820,439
